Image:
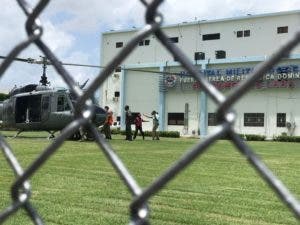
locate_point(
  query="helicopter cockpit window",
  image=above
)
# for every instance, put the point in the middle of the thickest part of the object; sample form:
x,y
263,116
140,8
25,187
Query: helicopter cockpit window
x,y
62,104
45,102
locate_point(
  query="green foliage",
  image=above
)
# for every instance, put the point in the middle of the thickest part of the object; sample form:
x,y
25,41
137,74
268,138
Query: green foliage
x,y
78,185
3,96
255,137
249,137
285,138
171,134
116,131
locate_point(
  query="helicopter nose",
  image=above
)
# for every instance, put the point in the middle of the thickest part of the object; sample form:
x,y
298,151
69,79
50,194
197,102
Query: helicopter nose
x,y
99,117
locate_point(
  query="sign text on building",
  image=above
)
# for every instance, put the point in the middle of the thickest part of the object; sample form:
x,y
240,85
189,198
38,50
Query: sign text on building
x,y
281,76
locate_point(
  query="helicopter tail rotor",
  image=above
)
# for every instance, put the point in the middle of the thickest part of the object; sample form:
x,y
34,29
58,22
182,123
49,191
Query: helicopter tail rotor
x,y
83,85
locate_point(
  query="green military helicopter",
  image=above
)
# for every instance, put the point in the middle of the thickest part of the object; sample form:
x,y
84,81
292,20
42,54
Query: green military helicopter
x,y
38,107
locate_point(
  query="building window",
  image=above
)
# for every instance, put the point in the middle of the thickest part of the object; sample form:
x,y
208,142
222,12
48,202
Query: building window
x,y
254,119
175,118
144,42
117,94
281,30
207,37
241,33
173,39
118,69
212,119
281,119
246,33
220,54
199,56
119,44
175,58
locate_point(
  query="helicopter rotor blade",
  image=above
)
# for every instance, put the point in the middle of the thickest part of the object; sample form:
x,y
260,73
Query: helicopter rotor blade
x,y
34,61
83,65
47,62
28,60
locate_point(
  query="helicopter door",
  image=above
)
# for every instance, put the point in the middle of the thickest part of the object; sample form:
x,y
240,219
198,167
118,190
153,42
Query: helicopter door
x,y
62,103
28,109
45,107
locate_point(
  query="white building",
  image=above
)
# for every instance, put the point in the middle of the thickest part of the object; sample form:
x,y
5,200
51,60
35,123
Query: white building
x,y
226,50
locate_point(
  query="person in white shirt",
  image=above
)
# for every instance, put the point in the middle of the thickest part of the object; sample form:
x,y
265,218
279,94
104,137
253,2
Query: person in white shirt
x,y
155,118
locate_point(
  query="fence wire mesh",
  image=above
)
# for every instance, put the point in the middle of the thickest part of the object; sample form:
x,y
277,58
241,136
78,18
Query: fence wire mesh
x,y
139,210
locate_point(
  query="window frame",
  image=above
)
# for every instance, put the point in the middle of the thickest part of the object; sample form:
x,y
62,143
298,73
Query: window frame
x,y
283,30
239,34
63,107
175,59
210,37
145,42
201,55
247,33
212,119
243,33
218,56
45,102
117,94
255,117
280,123
174,39
178,119
119,44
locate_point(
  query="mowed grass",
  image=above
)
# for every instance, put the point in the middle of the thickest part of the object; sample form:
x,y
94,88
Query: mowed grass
x,y
78,185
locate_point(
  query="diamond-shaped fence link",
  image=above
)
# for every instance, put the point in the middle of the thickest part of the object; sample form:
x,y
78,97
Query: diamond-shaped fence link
x,y
21,190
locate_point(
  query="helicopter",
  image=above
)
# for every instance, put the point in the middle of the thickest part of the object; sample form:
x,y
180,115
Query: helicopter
x,y
39,107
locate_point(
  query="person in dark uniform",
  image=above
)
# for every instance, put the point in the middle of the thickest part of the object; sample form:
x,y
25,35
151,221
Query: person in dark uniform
x,y
128,119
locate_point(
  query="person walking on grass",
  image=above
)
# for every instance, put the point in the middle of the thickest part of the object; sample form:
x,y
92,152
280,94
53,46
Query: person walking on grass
x,y
155,117
108,122
128,119
138,121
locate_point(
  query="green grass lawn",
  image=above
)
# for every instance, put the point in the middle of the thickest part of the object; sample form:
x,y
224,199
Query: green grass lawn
x,y
78,186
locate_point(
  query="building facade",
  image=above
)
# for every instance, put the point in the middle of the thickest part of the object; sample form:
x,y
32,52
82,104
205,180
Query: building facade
x,y
225,51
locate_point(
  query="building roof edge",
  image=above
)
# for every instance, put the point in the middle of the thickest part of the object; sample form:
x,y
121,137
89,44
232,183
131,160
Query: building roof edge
x,y
248,16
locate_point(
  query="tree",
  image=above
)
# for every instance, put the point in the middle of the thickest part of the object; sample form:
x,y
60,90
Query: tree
x,y
3,96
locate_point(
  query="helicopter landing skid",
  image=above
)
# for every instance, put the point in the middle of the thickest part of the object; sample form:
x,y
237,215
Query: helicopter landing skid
x,y
19,132
51,136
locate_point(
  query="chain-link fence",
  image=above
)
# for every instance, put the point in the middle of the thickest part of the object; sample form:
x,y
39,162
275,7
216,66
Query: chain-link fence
x,y
21,190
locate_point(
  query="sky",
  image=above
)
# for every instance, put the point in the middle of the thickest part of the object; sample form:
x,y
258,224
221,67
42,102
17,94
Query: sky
x,y
72,29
